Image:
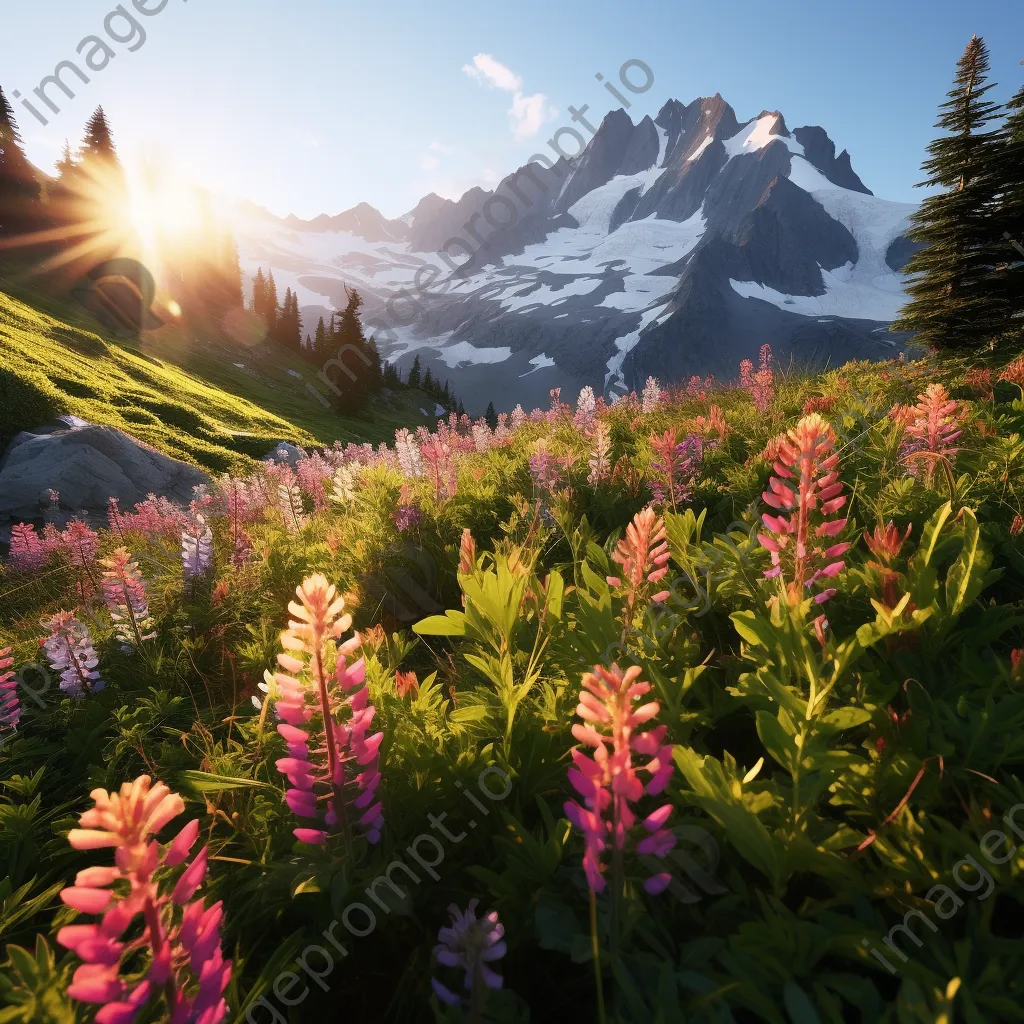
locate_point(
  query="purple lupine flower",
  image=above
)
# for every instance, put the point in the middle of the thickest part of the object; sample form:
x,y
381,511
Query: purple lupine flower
x,y
472,945
196,551
72,655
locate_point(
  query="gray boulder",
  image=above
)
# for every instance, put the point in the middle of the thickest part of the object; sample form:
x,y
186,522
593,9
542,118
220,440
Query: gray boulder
x,y
285,452
86,464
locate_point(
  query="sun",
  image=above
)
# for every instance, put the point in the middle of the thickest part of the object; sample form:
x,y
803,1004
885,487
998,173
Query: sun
x,y
163,210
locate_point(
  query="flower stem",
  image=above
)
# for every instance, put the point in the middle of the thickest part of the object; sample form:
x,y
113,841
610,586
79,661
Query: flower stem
x,y
596,948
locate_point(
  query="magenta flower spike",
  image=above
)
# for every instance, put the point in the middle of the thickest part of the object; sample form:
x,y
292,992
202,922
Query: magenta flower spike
x,y
608,779
28,551
179,941
332,762
806,484
10,702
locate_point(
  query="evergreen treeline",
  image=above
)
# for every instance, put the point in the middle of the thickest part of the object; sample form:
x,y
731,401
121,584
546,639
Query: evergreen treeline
x,y
967,287
77,210
338,344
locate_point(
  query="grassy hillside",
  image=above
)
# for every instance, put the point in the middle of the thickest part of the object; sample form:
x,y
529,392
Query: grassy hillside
x,y
181,394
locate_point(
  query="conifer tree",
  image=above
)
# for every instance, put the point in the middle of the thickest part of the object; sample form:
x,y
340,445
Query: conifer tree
x,y
320,349
1011,210
491,416
956,300
308,344
414,373
428,382
259,291
19,187
271,306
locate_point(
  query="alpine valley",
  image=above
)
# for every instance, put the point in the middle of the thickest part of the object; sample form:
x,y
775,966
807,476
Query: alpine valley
x,y
672,247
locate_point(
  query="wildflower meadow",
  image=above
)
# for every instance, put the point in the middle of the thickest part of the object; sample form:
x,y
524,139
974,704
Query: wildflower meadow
x,y
449,729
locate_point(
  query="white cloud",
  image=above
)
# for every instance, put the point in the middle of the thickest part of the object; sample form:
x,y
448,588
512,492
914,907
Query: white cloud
x,y
486,69
527,113
429,163
439,147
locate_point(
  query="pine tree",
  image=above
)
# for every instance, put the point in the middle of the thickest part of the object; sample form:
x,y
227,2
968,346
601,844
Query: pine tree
x,y
271,307
98,156
320,349
1011,210
259,288
414,373
955,293
19,187
491,416
428,382
308,344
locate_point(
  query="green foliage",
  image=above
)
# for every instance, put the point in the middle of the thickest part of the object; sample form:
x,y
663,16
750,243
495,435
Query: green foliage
x,y
830,775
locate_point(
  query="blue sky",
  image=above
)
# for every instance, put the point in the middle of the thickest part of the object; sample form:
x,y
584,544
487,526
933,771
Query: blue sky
x,y
316,105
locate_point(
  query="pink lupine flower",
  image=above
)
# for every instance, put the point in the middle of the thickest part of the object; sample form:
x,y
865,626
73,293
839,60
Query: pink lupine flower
x,y
1017,526
885,543
760,384
72,655
28,552
600,463
545,470
1016,663
127,600
807,484
608,780
472,945
10,703
332,762
931,437
481,434
312,471
713,423
557,406
1014,374
674,467
650,398
440,467
643,554
180,937
518,417
586,409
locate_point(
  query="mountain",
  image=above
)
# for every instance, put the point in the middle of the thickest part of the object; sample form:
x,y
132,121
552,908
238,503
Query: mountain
x,y
674,246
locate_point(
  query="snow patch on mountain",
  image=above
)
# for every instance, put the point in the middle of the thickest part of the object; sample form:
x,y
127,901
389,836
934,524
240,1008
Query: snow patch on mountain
x,y
757,135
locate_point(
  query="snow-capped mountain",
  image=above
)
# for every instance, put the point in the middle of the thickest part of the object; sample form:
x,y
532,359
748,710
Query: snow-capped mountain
x,y
671,247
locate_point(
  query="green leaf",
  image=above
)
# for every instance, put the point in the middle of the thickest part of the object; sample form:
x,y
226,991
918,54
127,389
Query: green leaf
x,y
755,630
452,623
206,782
776,740
846,718
966,575
798,1005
